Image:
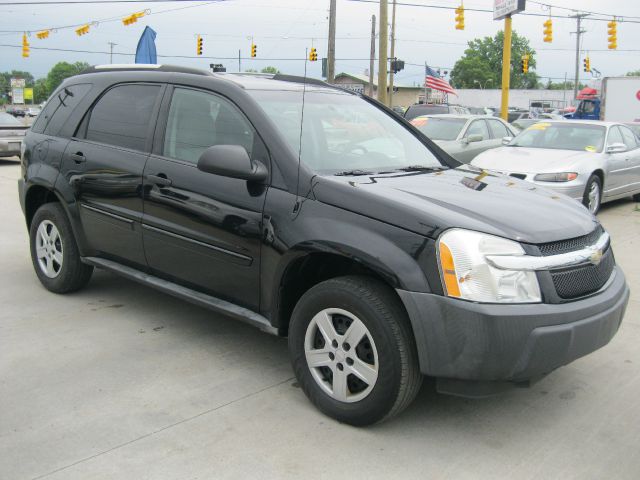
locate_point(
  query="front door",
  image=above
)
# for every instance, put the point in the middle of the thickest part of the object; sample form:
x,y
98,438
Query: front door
x,y
104,162
200,229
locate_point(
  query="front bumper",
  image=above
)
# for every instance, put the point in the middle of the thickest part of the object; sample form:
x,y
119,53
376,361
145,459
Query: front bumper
x,y
457,339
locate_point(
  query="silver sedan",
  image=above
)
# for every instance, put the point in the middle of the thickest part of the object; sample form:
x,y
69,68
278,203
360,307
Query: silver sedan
x,y
464,136
593,162
12,132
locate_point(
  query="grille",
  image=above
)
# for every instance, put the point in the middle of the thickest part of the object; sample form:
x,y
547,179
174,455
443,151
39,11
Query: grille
x,y
579,281
571,245
521,176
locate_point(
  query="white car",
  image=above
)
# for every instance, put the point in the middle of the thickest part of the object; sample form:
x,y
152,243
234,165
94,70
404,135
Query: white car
x,y
593,162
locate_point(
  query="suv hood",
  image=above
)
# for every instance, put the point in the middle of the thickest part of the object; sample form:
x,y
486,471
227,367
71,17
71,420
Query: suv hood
x,y
464,197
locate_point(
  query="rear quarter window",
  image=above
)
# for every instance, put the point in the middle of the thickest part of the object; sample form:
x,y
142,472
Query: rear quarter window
x,y
59,107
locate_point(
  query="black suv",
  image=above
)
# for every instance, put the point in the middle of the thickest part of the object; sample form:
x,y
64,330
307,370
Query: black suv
x,y
317,214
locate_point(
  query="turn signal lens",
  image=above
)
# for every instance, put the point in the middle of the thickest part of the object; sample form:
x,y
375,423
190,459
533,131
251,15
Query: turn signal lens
x,y
556,177
448,269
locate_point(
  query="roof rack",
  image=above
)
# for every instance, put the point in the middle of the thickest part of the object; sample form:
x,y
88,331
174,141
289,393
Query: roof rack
x,y
119,67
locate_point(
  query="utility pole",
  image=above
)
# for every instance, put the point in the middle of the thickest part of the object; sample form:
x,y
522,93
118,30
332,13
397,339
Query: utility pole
x,y
331,51
111,45
578,32
373,54
382,55
393,50
506,69
239,63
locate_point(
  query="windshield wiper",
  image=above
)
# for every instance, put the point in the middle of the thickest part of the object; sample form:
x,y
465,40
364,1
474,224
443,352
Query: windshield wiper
x,y
419,168
354,172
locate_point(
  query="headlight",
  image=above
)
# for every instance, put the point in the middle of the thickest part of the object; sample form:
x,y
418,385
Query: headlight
x,y
466,273
556,177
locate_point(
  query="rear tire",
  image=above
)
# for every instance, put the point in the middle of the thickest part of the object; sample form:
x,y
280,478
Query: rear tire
x,y
636,197
370,380
54,252
592,197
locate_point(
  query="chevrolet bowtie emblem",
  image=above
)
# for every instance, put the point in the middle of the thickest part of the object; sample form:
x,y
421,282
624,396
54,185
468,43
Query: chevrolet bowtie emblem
x,y
596,257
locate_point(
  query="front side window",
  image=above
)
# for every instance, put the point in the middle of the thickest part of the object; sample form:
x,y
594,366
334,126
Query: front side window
x,y
614,136
342,132
123,115
478,127
498,129
628,138
198,120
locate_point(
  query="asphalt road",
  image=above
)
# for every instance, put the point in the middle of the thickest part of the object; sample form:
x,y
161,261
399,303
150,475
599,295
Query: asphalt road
x,y
119,381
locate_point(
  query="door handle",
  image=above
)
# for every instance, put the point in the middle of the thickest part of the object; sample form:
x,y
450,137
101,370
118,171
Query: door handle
x,y
78,157
160,179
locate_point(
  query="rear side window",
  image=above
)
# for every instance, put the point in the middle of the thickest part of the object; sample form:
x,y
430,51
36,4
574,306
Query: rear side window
x,y
122,116
59,107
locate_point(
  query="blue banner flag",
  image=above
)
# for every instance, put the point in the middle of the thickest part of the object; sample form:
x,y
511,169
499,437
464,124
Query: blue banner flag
x,y
146,51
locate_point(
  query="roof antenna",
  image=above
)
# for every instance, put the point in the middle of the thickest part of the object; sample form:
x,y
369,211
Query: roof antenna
x,y
296,207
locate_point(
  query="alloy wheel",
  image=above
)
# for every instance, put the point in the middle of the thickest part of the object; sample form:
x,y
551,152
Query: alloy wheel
x,y
594,197
341,355
49,249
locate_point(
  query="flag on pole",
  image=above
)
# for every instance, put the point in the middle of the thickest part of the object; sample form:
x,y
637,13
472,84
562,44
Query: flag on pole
x,y
146,51
433,80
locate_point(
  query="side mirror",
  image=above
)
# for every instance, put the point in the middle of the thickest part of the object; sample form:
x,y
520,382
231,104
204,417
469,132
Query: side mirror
x,y
231,161
474,138
616,148
506,140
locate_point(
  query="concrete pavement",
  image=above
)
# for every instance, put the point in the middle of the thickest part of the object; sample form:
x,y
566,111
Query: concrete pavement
x,y
119,381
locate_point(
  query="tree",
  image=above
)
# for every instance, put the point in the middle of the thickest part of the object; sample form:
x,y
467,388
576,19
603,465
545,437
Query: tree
x,y
270,69
635,73
482,63
62,70
40,90
251,70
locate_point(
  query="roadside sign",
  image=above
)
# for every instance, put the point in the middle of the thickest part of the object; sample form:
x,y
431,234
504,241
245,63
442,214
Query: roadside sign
x,y
28,93
504,8
17,83
17,96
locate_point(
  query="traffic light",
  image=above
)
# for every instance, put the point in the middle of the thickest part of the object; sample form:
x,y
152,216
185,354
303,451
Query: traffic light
x,y
42,34
25,46
525,63
397,65
313,55
460,18
83,30
133,18
254,50
548,31
199,45
613,34
587,64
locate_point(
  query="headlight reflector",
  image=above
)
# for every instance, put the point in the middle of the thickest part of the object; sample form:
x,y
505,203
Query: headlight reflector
x,y
467,274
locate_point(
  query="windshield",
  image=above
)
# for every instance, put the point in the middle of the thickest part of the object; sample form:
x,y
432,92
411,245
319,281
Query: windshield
x,y
562,136
439,128
6,119
343,132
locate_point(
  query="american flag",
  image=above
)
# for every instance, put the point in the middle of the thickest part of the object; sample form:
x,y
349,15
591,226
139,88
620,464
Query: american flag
x,y
433,80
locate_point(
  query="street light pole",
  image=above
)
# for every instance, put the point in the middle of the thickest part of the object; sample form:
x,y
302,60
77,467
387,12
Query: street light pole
x,y
111,45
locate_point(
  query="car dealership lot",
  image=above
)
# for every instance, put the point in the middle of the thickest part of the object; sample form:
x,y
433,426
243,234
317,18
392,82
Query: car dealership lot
x,y
120,381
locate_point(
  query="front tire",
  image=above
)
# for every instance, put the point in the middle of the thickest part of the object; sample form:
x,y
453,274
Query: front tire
x,y
353,351
54,252
592,197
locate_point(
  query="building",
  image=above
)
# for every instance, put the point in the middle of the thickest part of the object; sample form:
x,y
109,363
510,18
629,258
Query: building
x,y
403,95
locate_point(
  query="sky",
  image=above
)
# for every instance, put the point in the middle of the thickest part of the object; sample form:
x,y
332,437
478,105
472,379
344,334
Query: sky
x,y
283,29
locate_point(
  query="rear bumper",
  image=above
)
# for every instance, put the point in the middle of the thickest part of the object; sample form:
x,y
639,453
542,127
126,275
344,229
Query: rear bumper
x,y
10,147
463,340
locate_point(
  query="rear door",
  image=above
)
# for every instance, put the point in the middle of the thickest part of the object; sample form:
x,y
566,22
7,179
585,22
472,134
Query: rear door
x,y
200,229
104,164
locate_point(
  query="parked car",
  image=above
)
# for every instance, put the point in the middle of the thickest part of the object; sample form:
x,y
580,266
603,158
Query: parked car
x,y
11,134
344,229
420,109
16,112
33,111
464,136
591,161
